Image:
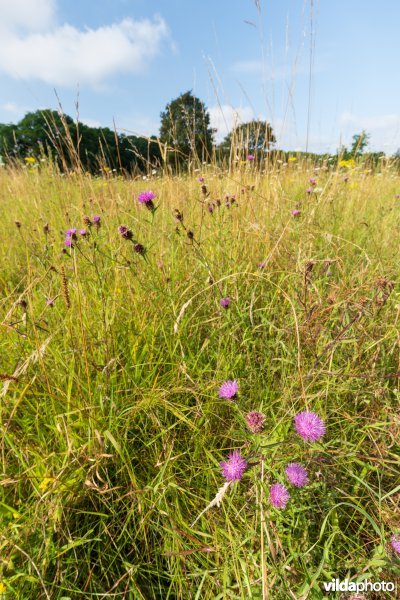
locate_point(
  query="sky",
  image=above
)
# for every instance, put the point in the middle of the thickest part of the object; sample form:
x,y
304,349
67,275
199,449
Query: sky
x,y
319,70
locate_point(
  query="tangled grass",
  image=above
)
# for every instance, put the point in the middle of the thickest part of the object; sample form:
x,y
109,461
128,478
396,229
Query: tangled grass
x,y
112,429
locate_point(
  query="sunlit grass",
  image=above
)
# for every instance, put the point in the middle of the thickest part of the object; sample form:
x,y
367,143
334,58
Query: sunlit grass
x,y
111,427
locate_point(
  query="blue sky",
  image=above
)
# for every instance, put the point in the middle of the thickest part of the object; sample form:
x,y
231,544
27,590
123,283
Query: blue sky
x,y
125,59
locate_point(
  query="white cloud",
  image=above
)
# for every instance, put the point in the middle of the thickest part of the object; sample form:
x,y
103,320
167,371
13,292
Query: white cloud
x,y
67,56
225,117
31,15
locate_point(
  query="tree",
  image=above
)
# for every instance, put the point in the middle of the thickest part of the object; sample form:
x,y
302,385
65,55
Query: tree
x,y
360,142
254,137
185,127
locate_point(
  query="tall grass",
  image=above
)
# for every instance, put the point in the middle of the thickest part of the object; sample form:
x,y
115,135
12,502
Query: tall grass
x,y
111,427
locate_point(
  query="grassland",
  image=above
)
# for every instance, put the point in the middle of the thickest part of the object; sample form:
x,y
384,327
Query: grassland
x,y
112,430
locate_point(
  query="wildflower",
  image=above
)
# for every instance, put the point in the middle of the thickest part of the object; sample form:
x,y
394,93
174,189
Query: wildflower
x,y
229,389
211,207
262,265
200,179
50,301
395,543
68,242
225,302
297,475
295,212
71,233
292,159
234,467
125,232
278,495
309,191
96,220
250,157
86,221
82,232
309,426
147,198
255,421
139,248
313,181
18,224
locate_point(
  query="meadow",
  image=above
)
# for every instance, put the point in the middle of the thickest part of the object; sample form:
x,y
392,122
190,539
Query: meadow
x,y
120,321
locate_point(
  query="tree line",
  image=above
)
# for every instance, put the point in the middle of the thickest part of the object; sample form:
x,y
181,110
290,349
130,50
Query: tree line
x,y
186,137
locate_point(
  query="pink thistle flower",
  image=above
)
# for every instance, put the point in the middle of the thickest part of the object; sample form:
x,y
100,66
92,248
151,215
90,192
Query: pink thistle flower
x,y
200,179
125,232
255,421
297,475
250,157
71,233
229,389
308,190
147,198
395,543
309,426
234,467
278,495
96,220
295,212
68,242
313,181
82,232
225,302
262,265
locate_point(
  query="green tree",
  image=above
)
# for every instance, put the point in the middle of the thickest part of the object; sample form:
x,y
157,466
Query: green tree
x,y
185,127
254,137
360,142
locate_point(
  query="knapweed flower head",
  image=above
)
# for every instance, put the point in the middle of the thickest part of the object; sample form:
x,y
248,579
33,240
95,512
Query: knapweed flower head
x,y
125,232
71,233
96,220
255,421
82,232
234,467
225,302
309,191
297,475
50,301
262,265
200,179
250,157
278,495
68,242
147,198
313,181
309,426
139,249
295,212
229,389
395,543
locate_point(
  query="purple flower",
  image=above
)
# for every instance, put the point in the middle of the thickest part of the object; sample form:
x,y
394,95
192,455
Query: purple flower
x,y
229,389
278,495
139,249
211,207
250,157
200,179
96,220
50,301
125,232
308,190
82,232
309,426
71,233
395,543
262,265
297,475
68,242
225,302
313,181
255,421
234,467
147,198
295,212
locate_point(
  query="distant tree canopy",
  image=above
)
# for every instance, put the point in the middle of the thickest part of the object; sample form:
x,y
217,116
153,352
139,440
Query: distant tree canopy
x,y
185,128
47,133
254,137
359,144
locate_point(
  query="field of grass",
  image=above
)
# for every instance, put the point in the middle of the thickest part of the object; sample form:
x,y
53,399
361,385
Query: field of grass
x,y
112,355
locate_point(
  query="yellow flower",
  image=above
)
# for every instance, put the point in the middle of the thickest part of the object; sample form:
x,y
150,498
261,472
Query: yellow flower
x,y
30,159
292,159
2,588
349,164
